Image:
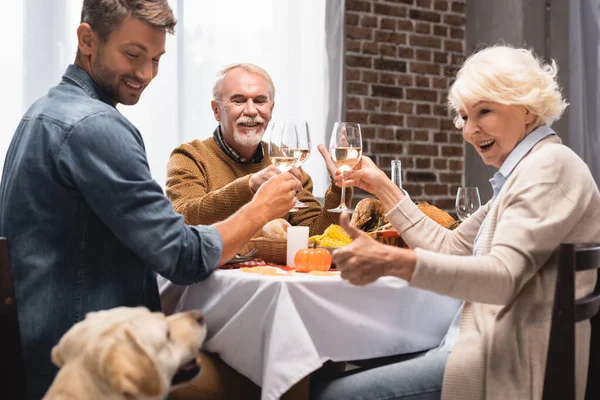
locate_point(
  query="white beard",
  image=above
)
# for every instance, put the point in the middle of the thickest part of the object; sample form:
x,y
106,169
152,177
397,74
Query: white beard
x,y
249,139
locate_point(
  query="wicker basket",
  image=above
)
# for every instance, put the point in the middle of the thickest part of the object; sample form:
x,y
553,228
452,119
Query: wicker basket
x,y
389,240
270,250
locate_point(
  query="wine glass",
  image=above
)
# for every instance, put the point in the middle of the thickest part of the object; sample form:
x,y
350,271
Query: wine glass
x,y
345,148
467,202
289,146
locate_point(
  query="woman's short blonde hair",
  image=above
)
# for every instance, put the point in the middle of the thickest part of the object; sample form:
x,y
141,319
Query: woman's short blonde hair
x,y
255,69
509,76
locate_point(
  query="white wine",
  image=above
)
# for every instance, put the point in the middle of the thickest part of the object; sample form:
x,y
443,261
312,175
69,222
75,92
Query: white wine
x,y
299,154
345,157
283,163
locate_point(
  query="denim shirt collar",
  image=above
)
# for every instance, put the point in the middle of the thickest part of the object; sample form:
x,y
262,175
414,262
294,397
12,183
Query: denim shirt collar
x,y
515,156
81,78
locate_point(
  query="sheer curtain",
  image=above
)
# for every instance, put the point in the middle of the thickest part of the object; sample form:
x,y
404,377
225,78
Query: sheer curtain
x,y
299,43
584,82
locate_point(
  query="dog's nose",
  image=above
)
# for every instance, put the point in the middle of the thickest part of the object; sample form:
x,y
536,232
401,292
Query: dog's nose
x,y
198,317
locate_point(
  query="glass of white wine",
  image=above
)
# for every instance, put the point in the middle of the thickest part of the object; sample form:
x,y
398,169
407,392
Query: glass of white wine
x,y
345,148
467,202
289,146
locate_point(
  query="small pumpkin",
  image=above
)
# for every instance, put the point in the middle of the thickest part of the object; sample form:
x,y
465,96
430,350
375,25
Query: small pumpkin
x,y
313,259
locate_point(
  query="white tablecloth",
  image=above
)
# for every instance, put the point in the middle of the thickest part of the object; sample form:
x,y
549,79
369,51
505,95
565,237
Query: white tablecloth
x,y
277,330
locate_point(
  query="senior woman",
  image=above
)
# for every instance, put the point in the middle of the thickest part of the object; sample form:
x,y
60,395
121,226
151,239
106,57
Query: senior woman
x,y
499,260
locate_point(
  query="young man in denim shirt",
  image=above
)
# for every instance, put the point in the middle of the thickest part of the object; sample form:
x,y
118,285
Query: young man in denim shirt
x,y
88,227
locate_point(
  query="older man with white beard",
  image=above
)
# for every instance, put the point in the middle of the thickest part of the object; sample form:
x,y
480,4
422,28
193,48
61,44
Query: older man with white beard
x,y
207,181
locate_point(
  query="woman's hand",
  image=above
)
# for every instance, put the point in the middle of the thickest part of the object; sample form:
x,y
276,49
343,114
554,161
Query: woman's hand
x,y
364,175
361,267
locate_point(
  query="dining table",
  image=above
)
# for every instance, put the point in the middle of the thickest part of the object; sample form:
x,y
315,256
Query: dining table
x,y
277,329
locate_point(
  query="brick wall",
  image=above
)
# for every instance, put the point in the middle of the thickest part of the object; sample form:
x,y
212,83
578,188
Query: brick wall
x,y
400,56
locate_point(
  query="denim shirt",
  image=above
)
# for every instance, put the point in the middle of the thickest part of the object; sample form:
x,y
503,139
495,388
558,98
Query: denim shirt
x,y
87,226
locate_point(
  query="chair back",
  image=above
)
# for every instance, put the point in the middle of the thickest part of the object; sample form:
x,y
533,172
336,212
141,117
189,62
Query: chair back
x,y
559,380
12,369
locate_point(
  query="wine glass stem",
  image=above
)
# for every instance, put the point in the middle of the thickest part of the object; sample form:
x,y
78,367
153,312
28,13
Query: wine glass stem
x,y
343,199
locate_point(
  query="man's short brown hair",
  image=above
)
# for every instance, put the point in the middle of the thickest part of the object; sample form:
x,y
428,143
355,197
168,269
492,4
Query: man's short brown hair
x,y
105,15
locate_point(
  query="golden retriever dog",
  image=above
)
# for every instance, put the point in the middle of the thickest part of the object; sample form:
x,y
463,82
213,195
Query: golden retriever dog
x,y
127,353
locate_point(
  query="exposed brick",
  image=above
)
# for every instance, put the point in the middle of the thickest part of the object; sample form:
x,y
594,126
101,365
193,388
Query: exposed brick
x,y
420,176
440,137
367,132
353,46
357,116
404,80
387,50
423,109
457,33
458,7
357,5
421,136
386,147
423,149
388,24
436,189
423,27
390,37
390,65
456,165
372,104
358,61
422,15
441,5
389,106
447,204
453,45
452,151
439,30
447,125
387,91
352,74
440,163
440,58
387,9
387,119
424,3
421,81
405,52
387,78
441,111
422,122
425,41
451,177
454,20
408,2
370,76
385,133
403,134
357,88
370,48
439,83
423,163
412,189
424,68
354,32
405,25
457,59
368,21
457,138
423,55
351,19
405,108
353,103
421,94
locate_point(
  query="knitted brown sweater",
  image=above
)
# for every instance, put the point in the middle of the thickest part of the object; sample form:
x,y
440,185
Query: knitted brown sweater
x,y
205,185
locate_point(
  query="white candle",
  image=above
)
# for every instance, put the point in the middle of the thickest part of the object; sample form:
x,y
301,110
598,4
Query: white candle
x,y
297,238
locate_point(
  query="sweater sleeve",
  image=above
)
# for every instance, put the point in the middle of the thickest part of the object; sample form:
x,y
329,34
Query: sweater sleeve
x,y
417,230
188,189
315,216
539,209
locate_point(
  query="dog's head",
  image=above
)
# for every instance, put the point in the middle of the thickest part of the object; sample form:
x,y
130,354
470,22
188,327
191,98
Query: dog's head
x,y
133,351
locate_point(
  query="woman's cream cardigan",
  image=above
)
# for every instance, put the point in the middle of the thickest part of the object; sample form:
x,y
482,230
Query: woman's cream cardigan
x,y
549,198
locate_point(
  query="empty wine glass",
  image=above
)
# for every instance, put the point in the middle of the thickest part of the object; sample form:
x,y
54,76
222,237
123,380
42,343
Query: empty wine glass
x,y
345,148
289,146
467,202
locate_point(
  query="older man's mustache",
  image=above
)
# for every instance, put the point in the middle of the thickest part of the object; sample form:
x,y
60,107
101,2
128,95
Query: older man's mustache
x,y
250,121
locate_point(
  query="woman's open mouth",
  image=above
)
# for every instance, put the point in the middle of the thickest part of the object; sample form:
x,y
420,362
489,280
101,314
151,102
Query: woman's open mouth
x,y
486,144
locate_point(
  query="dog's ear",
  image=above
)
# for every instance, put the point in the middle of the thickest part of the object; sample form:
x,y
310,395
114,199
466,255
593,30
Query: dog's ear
x,y
130,370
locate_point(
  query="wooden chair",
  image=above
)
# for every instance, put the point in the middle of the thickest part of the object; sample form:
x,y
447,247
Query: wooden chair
x,y
12,369
559,380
